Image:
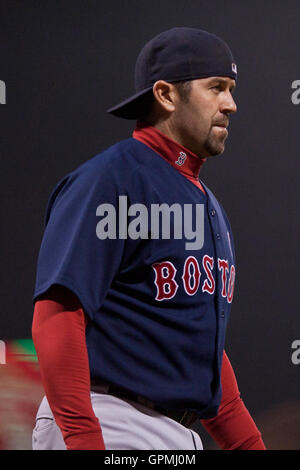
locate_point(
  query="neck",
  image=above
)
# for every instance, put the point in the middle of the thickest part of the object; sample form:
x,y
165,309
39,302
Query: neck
x,y
171,131
182,158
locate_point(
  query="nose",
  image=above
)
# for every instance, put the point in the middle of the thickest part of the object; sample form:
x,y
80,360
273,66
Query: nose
x,y
228,105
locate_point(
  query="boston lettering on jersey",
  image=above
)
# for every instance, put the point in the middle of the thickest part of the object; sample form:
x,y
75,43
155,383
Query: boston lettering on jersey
x,y
168,350
165,278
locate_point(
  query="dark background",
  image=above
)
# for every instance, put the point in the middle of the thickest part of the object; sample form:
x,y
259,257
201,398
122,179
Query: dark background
x,y
64,63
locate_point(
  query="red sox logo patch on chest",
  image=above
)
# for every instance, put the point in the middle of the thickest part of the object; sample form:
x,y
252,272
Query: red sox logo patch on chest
x,y
166,278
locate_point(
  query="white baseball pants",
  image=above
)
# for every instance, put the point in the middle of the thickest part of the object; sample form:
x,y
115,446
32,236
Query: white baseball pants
x,y
126,425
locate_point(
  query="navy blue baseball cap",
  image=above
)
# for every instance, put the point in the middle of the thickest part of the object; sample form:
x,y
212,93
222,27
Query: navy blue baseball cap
x,y
178,54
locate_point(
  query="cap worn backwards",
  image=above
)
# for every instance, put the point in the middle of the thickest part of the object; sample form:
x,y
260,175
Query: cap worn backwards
x,y
175,55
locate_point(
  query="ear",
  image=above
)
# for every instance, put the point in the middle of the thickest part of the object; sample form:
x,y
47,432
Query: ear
x,y
165,95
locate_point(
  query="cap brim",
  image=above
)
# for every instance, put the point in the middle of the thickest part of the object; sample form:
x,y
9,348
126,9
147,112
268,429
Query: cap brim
x,y
134,107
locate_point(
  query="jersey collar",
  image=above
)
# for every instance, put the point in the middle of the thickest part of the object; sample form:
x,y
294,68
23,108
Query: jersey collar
x,y
186,162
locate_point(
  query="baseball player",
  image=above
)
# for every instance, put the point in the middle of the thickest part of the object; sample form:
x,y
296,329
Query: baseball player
x,y
136,271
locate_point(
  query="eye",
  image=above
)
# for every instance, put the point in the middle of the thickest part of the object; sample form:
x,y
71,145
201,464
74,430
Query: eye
x,y
217,87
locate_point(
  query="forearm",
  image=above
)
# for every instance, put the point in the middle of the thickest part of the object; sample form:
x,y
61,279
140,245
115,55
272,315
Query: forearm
x,y
58,332
233,428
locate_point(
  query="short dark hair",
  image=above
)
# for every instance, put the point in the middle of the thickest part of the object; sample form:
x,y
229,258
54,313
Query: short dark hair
x,y
184,88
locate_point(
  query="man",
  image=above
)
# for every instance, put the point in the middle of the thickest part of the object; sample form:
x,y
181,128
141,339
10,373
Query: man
x,y
136,271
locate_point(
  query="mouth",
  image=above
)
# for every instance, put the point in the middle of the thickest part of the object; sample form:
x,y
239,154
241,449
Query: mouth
x,y
224,126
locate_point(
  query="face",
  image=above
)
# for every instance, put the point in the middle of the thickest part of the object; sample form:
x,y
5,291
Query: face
x,y
200,123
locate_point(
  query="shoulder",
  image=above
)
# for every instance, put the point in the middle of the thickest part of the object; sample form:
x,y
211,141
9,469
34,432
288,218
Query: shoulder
x,y
116,165
111,161
104,174
107,165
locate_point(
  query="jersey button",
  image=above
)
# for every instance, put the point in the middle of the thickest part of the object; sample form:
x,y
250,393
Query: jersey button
x,y
222,314
218,236
213,212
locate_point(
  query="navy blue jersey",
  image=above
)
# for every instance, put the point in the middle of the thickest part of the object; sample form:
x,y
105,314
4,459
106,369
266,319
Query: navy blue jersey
x,y
158,311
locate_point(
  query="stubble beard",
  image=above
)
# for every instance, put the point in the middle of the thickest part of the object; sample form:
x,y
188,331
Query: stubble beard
x,y
214,146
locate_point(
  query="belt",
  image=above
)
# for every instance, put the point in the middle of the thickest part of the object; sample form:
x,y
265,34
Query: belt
x,y
185,418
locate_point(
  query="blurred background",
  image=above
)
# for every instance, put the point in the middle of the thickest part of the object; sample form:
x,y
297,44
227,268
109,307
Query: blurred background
x,y
63,64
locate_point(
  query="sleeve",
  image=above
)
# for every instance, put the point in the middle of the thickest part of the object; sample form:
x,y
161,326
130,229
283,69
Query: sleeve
x,y
233,428
58,331
72,253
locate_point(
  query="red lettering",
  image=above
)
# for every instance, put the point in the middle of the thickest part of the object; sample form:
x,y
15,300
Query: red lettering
x,y
231,284
167,286
187,276
165,280
223,266
209,283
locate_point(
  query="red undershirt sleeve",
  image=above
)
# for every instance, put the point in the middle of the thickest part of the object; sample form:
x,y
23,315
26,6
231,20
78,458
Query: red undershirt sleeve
x,y
233,428
58,332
